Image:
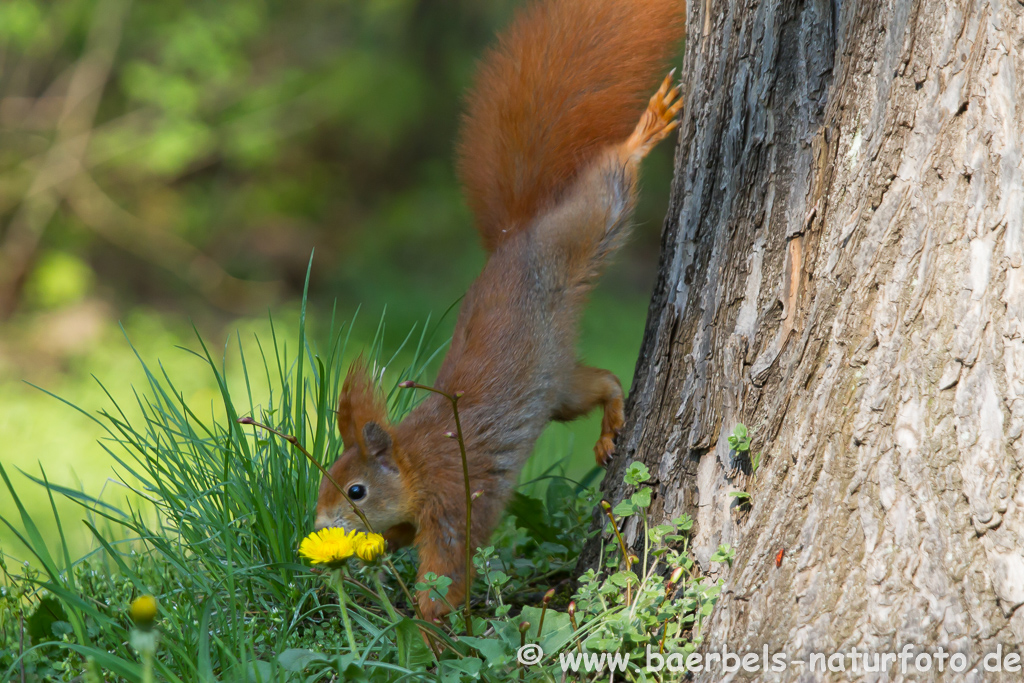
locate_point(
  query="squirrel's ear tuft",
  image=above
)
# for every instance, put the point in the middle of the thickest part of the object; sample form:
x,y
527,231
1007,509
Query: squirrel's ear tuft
x,y
376,440
361,403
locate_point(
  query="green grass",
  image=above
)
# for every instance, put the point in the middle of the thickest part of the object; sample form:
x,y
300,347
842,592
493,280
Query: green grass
x,y
212,504
39,431
208,515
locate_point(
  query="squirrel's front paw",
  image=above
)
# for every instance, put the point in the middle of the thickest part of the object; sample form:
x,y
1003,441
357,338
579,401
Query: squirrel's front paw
x,y
604,449
611,424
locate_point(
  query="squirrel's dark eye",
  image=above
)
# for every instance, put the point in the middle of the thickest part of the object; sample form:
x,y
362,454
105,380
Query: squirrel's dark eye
x,y
357,492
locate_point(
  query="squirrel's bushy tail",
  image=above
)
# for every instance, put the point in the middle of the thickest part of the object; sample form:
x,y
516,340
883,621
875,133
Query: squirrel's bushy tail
x,y
568,78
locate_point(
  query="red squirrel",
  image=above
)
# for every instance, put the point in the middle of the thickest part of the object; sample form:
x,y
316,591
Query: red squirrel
x,y
549,151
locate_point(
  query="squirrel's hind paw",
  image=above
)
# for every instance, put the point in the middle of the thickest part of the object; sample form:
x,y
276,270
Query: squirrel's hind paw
x,y
657,121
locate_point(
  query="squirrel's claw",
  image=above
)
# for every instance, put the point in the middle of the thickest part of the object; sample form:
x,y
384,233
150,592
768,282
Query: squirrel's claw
x,y
663,88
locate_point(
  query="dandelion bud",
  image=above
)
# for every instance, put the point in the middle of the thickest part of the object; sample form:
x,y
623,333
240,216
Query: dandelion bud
x,y
676,575
449,435
606,506
246,421
524,627
547,596
477,494
369,546
407,384
143,611
460,394
632,559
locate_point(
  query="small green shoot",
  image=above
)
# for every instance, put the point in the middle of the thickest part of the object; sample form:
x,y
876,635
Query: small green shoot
x,y
739,440
725,553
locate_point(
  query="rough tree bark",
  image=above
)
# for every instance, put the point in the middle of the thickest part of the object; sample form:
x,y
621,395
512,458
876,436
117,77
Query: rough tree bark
x,y
842,272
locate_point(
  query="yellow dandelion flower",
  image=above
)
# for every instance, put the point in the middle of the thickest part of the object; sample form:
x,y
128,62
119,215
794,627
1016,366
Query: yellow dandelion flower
x,y
143,610
369,547
328,546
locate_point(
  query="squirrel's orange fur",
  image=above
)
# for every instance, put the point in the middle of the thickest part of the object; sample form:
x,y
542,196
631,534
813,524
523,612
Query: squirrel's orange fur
x,y
549,155
567,79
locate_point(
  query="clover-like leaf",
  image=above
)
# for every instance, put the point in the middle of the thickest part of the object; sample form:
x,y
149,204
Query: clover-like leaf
x,y
642,498
636,473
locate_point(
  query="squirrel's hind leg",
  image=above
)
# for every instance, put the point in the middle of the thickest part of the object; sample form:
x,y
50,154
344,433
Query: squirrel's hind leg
x,y
589,388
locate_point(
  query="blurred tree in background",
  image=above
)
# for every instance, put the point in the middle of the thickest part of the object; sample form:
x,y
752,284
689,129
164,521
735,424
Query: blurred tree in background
x,y
198,149
175,161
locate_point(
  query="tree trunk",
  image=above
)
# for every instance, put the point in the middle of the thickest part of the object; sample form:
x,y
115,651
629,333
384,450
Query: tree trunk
x,y
842,272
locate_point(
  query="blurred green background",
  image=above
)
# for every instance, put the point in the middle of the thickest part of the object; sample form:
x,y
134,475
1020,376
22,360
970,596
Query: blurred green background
x,y
172,164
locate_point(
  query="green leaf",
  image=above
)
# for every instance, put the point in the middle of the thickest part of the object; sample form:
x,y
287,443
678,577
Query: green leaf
x,y
683,523
260,672
354,672
724,554
557,628
552,549
558,493
642,498
594,644
530,515
455,670
435,584
636,473
508,631
498,578
61,629
623,578
297,659
624,509
658,533
40,625
496,652
739,441
414,651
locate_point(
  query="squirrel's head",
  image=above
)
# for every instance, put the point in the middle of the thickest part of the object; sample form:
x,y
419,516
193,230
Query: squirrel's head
x,y
367,469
